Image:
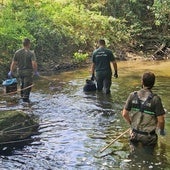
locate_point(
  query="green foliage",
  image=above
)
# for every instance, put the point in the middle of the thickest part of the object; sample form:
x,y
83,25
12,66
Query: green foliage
x,y
161,10
60,28
86,27
80,57
12,31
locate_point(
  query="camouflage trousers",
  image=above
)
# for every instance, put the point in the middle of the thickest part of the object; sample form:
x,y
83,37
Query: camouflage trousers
x,y
26,81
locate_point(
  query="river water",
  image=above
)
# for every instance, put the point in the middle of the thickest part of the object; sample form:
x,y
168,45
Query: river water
x,y
75,126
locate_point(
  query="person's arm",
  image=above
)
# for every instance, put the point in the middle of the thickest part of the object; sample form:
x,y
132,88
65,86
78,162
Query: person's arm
x,y
92,68
115,69
160,113
127,108
13,66
114,65
35,69
34,66
92,71
161,124
125,115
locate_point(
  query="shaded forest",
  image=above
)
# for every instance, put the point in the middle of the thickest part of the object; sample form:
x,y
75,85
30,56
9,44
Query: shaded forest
x,y
65,32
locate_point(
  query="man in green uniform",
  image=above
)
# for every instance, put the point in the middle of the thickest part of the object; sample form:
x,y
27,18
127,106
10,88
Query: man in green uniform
x,y
24,59
144,112
102,59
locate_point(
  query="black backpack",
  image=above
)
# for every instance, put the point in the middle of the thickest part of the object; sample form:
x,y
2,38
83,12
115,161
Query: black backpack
x,y
89,86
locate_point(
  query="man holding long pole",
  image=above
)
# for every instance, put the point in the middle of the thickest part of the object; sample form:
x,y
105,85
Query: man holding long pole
x,y
144,112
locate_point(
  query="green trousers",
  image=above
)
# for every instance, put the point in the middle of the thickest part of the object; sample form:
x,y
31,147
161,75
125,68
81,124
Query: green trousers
x,y
104,81
26,80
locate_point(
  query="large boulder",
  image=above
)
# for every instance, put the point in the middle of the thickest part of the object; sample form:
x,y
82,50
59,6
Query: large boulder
x,y
16,126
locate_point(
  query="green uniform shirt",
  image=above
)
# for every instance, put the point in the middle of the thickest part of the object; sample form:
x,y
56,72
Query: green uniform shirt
x,y
101,58
24,59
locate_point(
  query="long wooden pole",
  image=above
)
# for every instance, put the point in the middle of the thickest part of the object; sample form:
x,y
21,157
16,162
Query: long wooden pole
x,y
43,77
18,90
103,149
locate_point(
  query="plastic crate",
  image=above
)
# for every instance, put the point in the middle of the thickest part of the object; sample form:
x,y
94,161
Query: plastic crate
x,y
11,88
10,85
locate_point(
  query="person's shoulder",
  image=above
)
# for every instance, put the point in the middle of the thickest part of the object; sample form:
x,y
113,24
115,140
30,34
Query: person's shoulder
x,y
156,97
108,50
95,51
133,94
19,50
32,52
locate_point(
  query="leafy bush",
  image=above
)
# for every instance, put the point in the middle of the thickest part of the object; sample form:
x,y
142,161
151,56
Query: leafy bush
x,y
58,29
80,57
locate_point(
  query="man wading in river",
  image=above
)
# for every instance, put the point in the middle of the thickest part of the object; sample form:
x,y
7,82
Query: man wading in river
x,y
24,59
102,58
146,115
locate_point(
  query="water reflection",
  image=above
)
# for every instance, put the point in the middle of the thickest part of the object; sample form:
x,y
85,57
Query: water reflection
x,y
145,161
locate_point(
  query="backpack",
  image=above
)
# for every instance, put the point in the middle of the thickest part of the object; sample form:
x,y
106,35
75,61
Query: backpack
x,y
89,86
144,107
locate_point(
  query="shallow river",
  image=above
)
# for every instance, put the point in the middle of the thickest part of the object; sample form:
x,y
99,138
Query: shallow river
x,y
75,126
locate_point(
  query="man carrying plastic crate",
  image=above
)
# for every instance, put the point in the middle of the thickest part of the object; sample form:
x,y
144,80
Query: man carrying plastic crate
x,y
25,61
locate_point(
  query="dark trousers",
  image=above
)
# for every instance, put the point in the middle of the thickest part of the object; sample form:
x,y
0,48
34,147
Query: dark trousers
x,y
143,143
104,81
26,81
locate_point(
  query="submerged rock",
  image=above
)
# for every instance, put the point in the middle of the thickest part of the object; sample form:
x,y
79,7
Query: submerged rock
x,y
15,126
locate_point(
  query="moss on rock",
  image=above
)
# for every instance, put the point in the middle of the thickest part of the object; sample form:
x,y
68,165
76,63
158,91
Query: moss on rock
x,y
16,125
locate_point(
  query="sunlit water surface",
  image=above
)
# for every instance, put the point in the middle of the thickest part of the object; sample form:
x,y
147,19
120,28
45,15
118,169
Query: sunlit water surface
x,y
75,126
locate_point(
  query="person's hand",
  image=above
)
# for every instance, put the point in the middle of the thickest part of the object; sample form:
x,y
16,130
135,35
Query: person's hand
x,y
115,74
36,74
93,77
162,132
10,74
